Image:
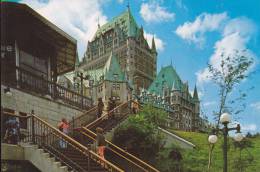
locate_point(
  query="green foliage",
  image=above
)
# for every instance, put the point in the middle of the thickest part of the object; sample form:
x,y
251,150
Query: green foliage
x,y
142,130
245,160
167,161
233,69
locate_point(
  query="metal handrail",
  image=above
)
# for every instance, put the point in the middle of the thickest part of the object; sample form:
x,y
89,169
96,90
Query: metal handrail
x,y
29,82
94,123
78,118
92,138
85,151
121,150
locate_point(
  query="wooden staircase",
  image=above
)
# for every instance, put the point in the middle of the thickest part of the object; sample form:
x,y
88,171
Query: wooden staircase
x,y
75,157
124,160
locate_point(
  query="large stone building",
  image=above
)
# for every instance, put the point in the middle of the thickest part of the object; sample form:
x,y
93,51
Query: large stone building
x,y
168,89
106,82
123,36
120,44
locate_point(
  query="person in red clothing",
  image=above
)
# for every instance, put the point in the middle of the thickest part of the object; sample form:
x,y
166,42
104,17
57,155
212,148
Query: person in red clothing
x,y
101,142
63,127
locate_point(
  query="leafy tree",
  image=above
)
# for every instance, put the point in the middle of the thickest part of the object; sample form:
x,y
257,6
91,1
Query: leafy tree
x,y
140,134
232,70
242,162
170,159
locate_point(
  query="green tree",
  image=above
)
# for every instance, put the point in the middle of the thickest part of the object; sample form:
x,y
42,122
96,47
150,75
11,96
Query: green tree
x,y
140,134
232,70
241,162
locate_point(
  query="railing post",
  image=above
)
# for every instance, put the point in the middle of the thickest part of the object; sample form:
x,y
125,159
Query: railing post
x,y
89,146
54,87
73,125
33,129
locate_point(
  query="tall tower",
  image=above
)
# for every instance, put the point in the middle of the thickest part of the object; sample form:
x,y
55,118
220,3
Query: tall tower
x,y
126,39
197,110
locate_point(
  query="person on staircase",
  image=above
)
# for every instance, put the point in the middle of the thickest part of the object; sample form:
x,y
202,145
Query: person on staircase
x,y
101,143
111,107
100,107
135,106
63,127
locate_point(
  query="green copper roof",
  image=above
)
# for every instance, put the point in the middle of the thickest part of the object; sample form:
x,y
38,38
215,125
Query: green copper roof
x,y
167,77
112,70
125,21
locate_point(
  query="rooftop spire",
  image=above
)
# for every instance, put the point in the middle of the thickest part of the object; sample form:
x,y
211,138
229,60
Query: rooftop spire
x,y
195,93
98,23
153,45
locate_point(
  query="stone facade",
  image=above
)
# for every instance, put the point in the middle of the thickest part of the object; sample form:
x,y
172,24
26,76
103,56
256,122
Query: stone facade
x,y
45,108
123,36
168,89
106,82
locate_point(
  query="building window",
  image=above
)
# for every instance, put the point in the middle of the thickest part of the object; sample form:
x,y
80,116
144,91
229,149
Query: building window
x,y
115,76
118,86
114,87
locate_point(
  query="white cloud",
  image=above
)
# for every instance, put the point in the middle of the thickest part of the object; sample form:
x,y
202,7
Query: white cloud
x,y
120,1
235,36
210,103
78,18
193,32
200,94
203,76
154,13
158,42
234,26
256,105
248,127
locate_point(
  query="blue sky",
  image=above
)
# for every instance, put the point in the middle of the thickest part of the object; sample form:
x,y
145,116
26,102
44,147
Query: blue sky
x,y
188,33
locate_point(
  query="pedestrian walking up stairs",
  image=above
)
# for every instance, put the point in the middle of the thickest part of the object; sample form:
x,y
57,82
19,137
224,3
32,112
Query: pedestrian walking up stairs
x,y
61,149
84,118
116,155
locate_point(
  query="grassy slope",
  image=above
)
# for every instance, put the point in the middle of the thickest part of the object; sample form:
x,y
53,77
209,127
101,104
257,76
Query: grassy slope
x,y
197,160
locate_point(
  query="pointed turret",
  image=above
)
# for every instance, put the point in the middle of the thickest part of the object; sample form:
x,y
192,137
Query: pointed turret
x,y
195,94
77,60
153,45
112,70
141,30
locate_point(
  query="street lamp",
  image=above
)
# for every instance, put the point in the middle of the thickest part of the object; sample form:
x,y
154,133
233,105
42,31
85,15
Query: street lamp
x,y
81,77
225,119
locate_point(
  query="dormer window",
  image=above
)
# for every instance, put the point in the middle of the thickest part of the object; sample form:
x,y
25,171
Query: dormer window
x,y
115,76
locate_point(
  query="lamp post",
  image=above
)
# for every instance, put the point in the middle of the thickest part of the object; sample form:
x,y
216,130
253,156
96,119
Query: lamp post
x,y
225,119
82,78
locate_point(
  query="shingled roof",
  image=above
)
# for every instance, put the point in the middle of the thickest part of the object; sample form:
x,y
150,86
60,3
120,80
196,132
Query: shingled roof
x,y
125,22
167,77
111,72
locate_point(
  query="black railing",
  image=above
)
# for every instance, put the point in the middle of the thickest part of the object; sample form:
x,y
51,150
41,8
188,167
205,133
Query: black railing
x,y
30,82
62,147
